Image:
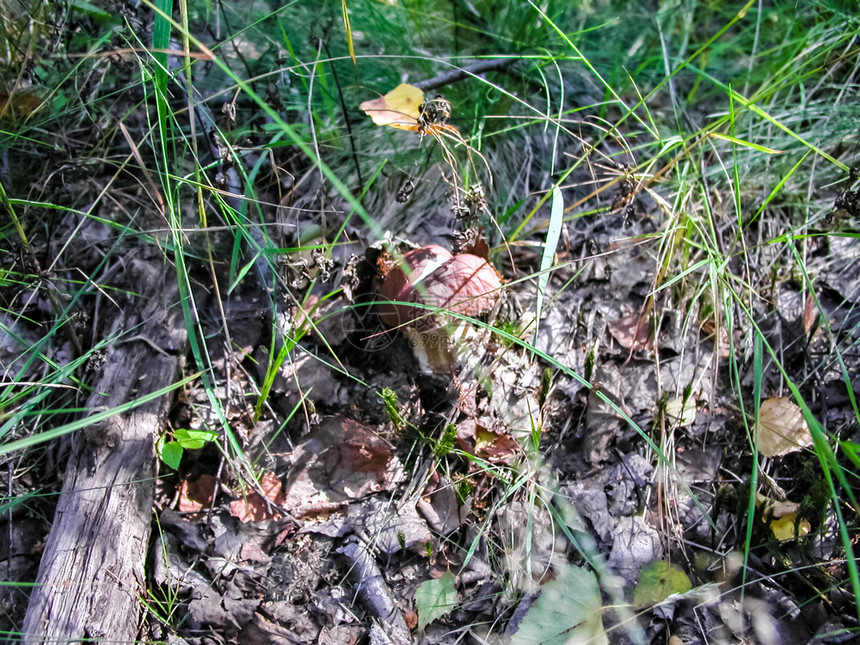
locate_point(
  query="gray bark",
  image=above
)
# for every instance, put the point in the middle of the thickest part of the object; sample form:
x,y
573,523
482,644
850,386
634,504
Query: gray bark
x,y
91,577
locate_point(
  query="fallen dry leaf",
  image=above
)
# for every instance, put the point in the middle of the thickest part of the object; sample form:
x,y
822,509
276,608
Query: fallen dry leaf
x,y
393,527
680,412
197,495
721,344
479,440
339,461
438,505
635,544
602,424
632,332
400,108
411,618
810,316
781,428
782,518
254,508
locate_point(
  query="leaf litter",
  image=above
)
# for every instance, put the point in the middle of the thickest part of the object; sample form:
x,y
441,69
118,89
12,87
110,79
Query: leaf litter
x,y
346,480
346,538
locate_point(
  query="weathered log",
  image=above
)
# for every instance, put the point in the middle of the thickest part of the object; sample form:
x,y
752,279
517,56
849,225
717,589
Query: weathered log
x,y
91,577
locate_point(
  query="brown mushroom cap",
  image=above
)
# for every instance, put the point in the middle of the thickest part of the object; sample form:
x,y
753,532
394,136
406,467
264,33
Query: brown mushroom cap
x,y
464,284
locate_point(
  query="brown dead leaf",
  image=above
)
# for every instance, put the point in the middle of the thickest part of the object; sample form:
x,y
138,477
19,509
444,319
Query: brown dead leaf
x,y
339,461
632,332
197,495
393,527
252,552
602,424
721,344
477,439
781,428
254,508
411,618
467,395
438,505
810,316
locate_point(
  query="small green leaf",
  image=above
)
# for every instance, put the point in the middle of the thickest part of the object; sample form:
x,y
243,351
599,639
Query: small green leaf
x,y
435,598
171,454
658,581
567,612
193,439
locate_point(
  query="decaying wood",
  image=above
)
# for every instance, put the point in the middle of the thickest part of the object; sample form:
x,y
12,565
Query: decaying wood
x,y
375,594
91,578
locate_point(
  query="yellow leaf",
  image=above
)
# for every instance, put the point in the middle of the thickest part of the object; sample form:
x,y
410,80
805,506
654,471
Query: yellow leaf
x,y
400,108
781,428
783,528
19,104
782,516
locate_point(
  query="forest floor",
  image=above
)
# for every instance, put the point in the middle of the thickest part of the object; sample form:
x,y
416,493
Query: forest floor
x,y
647,439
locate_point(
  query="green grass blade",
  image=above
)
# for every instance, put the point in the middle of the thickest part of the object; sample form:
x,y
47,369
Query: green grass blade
x,y
553,234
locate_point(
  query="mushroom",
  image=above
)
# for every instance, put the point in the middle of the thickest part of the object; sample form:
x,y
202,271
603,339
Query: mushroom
x,y
463,284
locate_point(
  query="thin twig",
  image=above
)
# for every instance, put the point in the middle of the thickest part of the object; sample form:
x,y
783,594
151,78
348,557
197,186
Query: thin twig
x,y
460,73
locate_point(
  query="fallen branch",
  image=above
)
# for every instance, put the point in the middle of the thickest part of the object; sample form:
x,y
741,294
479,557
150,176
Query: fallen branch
x,y
374,592
460,73
91,576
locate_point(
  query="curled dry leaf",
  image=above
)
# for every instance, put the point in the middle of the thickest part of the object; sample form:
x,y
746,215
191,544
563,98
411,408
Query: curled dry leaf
x,y
781,428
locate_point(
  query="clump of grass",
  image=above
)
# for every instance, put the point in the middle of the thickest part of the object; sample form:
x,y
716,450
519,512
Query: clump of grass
x,y
392,408
444,445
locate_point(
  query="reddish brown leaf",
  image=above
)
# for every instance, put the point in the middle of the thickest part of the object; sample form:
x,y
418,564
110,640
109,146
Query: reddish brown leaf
x,y
254,508
477,439
810,316
632,332
411,619
197,495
